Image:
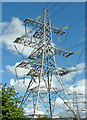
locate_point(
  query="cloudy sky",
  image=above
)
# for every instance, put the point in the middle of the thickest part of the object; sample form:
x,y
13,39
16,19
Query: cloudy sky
x,y
62,14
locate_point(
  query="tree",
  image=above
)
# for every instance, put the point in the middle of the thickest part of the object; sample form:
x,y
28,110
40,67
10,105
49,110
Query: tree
x,y
10,103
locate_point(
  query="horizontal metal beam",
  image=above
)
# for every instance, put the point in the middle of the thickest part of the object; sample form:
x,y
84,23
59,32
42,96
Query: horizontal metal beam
x,y
35,71
26,42
62,52
39,24
24,64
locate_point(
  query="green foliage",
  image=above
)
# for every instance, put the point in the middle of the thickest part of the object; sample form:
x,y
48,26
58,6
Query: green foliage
x,y
10,104
75,117
45,117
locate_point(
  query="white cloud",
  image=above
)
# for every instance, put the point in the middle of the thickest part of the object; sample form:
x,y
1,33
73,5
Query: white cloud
x,y
62,109
11,68
1,71
22,84
71,75
80,87
20,71
31,111
19,85
12,30
12,82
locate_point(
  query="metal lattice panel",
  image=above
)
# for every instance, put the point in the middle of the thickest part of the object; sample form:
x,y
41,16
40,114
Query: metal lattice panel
x,y
27,43
39,24
63,52
24,64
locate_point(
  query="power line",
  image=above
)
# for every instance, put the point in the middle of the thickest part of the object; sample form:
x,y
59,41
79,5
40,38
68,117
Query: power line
x,y
65,37
77,45
78,21
53,6
65,6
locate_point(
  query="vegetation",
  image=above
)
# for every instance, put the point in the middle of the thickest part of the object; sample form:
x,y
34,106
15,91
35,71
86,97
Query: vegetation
x,y
45,117
75,117
10,104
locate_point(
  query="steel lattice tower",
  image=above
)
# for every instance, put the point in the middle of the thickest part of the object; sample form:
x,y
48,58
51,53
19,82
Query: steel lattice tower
x,y
76,103
42,65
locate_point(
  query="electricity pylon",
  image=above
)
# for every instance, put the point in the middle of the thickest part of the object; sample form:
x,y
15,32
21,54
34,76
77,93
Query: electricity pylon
x,y
42,65
76,103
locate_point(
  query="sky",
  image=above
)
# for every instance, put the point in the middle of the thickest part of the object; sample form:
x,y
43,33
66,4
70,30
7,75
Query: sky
x,y
62,14
44,0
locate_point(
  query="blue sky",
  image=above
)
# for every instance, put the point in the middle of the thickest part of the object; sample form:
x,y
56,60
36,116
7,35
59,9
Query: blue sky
x,y
62,14
69,15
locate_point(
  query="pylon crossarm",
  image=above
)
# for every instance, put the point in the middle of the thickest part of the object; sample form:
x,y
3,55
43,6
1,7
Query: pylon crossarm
x,y
65,72
33,22
77,102
32,70
24,64
62,52
41,24
61,73
29,64
58,31
56,51
77,110
26,42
